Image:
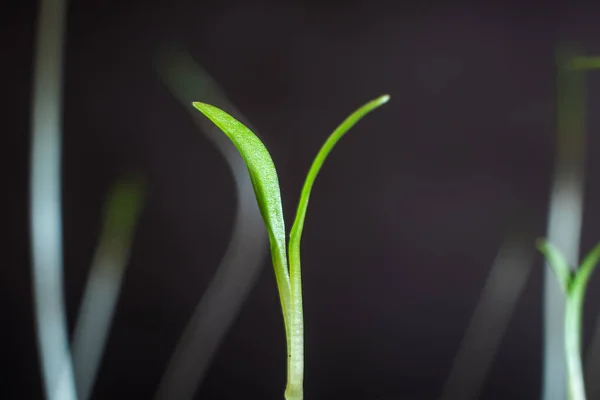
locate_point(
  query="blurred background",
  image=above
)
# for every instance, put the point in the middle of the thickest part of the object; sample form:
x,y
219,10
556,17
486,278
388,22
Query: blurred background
x,y
406,217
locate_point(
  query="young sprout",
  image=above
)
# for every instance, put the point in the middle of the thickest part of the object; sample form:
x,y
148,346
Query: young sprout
x,y
573,284
263,176
566,205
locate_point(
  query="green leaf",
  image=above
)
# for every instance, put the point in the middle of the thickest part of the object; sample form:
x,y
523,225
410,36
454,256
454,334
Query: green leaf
x,y
557,262
573,323
584,63
295,365
586,269
297,227
574,286
265,182
576,296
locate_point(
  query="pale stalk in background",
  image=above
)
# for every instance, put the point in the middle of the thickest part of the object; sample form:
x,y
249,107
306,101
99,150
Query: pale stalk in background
x,y
592,370
564,219
46,214
503,288
573,285
245,254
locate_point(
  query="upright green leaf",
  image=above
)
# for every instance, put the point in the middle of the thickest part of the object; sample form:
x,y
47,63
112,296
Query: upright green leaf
x,y
296,363
586,268
340,131
557,262
265,182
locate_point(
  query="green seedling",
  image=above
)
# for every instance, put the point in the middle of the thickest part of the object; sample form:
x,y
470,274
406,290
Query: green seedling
x,y
265,182
573,284
565,210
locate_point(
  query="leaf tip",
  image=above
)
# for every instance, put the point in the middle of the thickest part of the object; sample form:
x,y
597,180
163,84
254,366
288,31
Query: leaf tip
x,y
541,244
383,99
197,105
204,108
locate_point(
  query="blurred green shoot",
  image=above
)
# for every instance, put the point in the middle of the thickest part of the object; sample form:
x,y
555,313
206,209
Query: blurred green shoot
x,y
566,207
268,195
104,282
584,63
573,284
63,378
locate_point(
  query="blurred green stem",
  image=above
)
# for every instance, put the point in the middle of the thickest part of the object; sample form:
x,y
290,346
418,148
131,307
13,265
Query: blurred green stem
x,y
565,214
573,285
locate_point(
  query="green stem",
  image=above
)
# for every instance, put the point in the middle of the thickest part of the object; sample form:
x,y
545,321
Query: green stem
x,y
294,320
573,317
295,324
295,366
573,322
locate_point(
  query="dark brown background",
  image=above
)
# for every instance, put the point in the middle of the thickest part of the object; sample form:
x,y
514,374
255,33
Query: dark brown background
x,y
405,219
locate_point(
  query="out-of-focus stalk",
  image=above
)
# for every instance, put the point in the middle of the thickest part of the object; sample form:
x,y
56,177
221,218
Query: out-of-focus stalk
x,y
245,255
45,192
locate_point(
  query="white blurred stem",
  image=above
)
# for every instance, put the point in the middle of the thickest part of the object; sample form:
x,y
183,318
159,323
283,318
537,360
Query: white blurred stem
x,y
503,288
564,219
45,192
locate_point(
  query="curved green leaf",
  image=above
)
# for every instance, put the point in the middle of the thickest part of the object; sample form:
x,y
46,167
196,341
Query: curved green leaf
x,y
574,286
576,296
557,262
296,232
573,324
265,182
296,340
586,268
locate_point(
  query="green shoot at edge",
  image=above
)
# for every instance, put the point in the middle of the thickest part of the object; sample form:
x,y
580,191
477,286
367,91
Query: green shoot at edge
x,y
263,176
573,284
